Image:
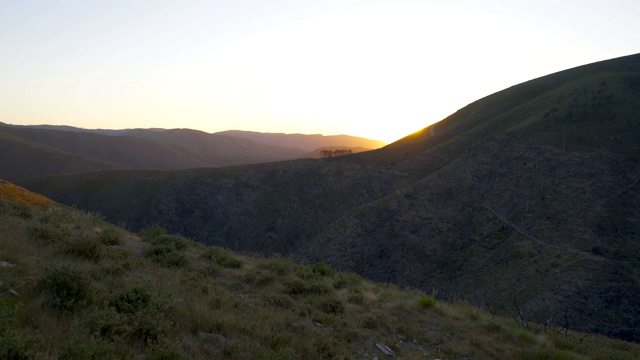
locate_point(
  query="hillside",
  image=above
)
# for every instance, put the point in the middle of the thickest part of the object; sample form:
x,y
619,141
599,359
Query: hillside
x,y
21,158
75,287
271,208
122,151
160,148
306,142
220,150
525,202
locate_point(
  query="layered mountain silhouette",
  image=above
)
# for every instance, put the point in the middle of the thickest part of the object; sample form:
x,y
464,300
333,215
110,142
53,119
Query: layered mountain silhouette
x,y
48,150
526,202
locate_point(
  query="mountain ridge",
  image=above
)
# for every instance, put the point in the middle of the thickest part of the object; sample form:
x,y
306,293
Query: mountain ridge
x,y
146,149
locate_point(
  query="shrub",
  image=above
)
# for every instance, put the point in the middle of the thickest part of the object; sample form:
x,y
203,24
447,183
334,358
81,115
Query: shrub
x,y
332,306
222,257
131,300
166,255
317,288
14,209
150,326
307,274
299,287
526,336
48,233
138,322
492,326
165,249
10,348
91,349
427,301
166,351
110,325
151,233
176,241
258,277
109,236
356,298
21,346
295,287
314,271
84,248
322,269
372,322
280,300
65,289
278,266
347,280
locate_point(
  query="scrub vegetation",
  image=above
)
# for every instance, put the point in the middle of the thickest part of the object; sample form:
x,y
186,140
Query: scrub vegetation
x,y
76,287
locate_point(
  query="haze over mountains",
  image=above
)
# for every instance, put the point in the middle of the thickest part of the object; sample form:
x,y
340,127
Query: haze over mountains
x,y
63,149
526,202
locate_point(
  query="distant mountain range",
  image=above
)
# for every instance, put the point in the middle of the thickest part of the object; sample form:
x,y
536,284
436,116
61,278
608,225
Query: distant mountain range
x,y
525,202
62,149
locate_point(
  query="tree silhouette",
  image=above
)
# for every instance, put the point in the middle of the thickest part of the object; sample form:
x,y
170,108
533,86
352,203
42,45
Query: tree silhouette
x,y
336,152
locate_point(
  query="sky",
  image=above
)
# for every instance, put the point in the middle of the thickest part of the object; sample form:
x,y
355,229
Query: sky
x,y
379,69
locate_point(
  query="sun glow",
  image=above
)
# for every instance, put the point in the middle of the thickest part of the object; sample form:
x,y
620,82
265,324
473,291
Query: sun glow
x,y
377,69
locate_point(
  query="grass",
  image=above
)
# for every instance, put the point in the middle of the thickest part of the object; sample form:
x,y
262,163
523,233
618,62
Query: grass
x,y
137,300
21,196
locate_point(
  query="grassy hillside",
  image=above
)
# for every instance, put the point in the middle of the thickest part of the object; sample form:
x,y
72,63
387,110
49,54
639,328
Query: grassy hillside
x,y
525,202
75,287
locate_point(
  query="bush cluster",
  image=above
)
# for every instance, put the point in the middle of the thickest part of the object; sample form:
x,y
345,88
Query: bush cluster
x,y
165,249
222,257
65,289
427,301
84,248
299,287
131,300
166,255
109,236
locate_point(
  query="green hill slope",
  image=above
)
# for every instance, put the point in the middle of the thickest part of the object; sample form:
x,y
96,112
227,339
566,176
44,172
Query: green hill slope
x,y
75,287
524,202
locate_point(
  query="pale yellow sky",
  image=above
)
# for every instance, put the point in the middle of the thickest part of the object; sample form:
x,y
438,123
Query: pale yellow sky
x,y
377,69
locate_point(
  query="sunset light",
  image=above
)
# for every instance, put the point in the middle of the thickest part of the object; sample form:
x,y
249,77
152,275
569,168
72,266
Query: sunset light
x,y
376,69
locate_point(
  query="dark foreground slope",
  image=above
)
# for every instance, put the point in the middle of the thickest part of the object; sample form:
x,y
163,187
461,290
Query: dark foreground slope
x,y
75,287
526,202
